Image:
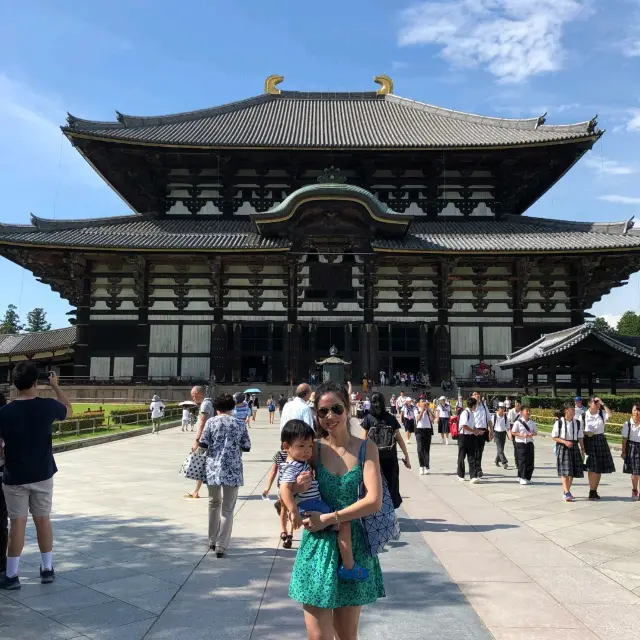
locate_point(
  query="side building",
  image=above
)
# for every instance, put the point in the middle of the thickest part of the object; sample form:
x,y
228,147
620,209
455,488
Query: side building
x,y
268,230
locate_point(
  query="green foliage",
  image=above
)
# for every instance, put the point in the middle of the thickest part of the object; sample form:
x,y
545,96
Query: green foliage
x,y
37,321
547,417
85,423
602,325
629,324
619,404
133,413
11,321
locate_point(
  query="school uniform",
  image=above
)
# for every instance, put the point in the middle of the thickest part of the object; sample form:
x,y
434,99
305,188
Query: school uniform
x,y
424,433
569,459
599,458
526,450
513,415
466,444
500,428
409,418
482,418
631,431
443,413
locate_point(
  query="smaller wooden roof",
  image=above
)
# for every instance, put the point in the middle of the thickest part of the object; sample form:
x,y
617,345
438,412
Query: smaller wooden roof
x,y
37,342
568,342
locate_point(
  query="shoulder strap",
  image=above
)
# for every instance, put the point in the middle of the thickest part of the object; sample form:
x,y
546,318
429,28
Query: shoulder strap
x,y
362,455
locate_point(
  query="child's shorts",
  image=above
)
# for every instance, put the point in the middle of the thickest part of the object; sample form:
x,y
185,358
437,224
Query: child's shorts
x,y
317,505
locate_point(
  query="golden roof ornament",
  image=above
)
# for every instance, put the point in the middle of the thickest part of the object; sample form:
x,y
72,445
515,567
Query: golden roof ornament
x,y
270,84
386,85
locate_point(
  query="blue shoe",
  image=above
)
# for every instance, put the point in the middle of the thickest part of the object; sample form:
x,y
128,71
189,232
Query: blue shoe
x,y
358,573
10,584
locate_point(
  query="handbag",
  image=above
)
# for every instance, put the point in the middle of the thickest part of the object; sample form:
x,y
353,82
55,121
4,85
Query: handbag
x,y
381,527
195,466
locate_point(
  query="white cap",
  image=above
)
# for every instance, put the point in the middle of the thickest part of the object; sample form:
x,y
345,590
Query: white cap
x,y
501,404
441,398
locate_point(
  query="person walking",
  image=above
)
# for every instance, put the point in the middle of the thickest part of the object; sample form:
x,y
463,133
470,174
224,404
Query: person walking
x,y
224,438
484,427
409,414
298,408
579,408
631,449
205,411
29,467
443,413
467,442
599,458
513,415
281,402
568,434
500,428
387,437
342,463
524,431
4,518
271,407
157,413
424,434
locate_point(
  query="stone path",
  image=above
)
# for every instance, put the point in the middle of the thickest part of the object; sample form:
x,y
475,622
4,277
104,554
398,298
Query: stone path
x,y
494,559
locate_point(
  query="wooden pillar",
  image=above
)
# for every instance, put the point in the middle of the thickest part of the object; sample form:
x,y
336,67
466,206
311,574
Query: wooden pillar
x,y
82,293
313,355
590,383
423,351
535,384
442,337
614,386
236,368
141,277
578,384
374,361
292,346
270,356
219,355
554,383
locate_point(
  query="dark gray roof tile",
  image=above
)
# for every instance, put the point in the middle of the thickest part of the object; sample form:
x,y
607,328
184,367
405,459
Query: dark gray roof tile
x,y
40,341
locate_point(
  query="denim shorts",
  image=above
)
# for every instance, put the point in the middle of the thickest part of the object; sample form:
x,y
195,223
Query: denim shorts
x,y
315,504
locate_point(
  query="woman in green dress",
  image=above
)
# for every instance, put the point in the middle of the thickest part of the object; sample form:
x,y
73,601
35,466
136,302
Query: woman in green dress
x,y
332,606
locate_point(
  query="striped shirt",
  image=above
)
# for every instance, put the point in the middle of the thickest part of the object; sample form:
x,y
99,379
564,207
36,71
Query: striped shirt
x,y
242,412
280,460
289,474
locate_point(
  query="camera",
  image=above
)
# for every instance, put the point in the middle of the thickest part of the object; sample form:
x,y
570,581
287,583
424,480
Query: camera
x,y
43,377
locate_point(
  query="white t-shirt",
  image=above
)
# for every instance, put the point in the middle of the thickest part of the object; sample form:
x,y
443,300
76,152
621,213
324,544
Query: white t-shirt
x,y
593,423
443,411
186,415
467,419
409,412
400,402
297,409
635,431
157,409
507,404
520,431
500,423
425,421
513,415
481,416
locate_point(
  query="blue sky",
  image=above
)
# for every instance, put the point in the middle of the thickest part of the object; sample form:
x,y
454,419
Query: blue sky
x,y
510,58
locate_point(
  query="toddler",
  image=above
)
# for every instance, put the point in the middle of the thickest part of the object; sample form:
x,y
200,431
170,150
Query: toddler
x,y
279,462
298,441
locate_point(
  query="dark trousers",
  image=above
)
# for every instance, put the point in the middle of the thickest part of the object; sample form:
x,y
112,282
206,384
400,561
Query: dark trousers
x,y
423,441
467,449
515,452
526,459
500,437
4,531
480,442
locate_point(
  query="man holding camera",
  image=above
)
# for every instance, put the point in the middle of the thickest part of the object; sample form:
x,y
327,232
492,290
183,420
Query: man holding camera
x,y
25,427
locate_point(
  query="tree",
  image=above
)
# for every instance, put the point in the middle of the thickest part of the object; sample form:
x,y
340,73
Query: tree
x,y
37,320
601,324
11,322
629,324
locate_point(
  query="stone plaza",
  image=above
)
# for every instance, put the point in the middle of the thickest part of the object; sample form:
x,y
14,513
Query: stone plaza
x,y
491,560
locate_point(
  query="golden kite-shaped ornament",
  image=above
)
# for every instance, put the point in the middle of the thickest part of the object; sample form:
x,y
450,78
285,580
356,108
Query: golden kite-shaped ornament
x,y
386,85
270,84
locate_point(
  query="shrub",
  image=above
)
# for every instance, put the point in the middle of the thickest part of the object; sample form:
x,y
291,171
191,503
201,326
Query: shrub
x,y
82,422
547,417
620,404
136,413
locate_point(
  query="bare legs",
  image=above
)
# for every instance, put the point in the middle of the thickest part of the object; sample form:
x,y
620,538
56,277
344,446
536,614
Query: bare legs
x,y
44,531
634,482
16,537
196,491
594,480
344,544
567,481
328,624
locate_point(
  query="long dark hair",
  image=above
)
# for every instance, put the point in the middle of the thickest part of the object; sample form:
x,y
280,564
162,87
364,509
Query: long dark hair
x,y
559,413
337,389
378,404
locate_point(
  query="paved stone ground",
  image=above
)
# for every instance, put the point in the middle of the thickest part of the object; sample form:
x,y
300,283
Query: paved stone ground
x,y
496,558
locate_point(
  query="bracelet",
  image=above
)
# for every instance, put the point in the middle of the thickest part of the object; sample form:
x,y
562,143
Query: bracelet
x,y
337,517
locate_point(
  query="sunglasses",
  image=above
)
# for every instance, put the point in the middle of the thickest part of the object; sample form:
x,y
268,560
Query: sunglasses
x,y
337,410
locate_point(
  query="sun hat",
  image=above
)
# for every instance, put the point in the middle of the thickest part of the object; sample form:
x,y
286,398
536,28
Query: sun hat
x,y
155,398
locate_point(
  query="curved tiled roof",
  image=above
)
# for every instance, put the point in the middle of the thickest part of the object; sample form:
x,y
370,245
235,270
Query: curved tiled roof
x,y
560,341
296,119
40,341
510,234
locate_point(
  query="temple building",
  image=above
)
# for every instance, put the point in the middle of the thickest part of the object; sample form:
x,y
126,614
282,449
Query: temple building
x,y
268,230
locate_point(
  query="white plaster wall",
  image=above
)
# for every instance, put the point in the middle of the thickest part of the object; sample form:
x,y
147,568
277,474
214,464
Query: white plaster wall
x,y
99,367
497,340
196,338
161,367
122,367
465,341
163,338
195,367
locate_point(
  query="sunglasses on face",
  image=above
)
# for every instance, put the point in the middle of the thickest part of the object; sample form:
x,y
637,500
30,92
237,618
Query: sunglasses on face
x,y
336,409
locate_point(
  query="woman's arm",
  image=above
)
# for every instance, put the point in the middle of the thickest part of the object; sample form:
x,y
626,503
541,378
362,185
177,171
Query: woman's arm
x,y
403,446
370,503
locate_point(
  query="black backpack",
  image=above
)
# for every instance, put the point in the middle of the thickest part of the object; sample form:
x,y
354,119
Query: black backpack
x,y
383,436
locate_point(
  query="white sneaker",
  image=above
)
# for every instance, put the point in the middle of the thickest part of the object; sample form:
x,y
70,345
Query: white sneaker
x,y
446,441
523,481
475,480
421,471
426,471
460,479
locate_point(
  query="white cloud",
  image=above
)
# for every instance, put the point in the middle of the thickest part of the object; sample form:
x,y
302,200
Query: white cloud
x,y
30,136
616,199
513,39
634,123
609,167
611,319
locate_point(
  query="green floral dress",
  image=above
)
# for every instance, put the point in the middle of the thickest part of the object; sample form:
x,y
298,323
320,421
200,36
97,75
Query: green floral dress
x,y
314,579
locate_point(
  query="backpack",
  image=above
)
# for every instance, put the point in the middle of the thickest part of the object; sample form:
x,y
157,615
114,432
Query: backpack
x,y
383,436
272,405
453,427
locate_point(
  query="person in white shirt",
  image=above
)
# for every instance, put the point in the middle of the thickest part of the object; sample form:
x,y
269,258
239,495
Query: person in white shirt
x,y
354,400
298,408
157,413
512,416
383,378
443,413
631,449
366,405
484,425
467,442
579,408
459,405
524,431
409,414
401,399
424,433
599,458
186,419
500,429
507,404
568,433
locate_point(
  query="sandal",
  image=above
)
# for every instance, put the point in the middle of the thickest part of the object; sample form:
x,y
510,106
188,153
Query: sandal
x,y
288,543
283,536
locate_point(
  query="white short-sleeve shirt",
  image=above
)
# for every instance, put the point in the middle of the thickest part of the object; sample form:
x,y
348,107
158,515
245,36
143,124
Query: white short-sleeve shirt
x,y
520,431
467,419
594,422
568,430
443,411
500,423
634,427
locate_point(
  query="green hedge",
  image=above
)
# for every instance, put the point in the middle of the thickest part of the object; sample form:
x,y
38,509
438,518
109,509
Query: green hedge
x,y
84,424
136,413
620,404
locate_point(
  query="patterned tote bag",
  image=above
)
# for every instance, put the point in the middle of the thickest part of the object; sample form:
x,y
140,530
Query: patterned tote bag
x,y
381,527
195,466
